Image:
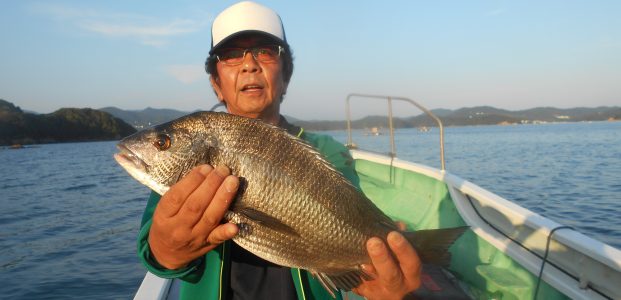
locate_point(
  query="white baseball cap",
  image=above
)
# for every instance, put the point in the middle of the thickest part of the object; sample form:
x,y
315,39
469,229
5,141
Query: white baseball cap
x,y
246,17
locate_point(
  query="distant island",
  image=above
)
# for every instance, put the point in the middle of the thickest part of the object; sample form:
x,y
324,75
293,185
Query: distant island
x,y
146,117
481,115
111,123
64,125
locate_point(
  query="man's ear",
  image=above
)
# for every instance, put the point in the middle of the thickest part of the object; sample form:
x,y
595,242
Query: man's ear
x,y
284,89
215,84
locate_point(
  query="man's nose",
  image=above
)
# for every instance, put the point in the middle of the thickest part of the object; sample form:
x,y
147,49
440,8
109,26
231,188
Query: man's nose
x,y
250,64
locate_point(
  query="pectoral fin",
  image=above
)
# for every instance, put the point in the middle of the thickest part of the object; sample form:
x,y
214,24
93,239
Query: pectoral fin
x,y
345,281
266,220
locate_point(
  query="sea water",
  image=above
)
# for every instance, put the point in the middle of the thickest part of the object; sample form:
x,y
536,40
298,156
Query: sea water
x,y
70,215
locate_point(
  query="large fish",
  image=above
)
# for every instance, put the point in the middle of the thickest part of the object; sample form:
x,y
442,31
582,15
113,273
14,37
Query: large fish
x,y
293,208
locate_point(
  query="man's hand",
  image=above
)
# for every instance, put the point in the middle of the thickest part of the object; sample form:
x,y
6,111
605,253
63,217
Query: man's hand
x,y
394,277
186,222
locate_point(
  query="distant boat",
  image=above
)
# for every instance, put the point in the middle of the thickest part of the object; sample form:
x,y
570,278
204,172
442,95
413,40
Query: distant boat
x,y
374,132
423,129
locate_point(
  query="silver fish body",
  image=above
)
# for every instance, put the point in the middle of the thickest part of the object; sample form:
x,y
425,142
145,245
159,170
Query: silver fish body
x,y
293,208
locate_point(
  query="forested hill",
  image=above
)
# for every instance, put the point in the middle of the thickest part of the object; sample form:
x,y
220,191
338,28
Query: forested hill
x,y
146,117
480,115
63,125
110,123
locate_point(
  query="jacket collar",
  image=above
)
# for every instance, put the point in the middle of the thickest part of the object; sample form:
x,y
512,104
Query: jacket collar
x,y
290,128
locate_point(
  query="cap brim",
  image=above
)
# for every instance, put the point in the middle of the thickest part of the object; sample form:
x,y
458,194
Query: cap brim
x,y
276,40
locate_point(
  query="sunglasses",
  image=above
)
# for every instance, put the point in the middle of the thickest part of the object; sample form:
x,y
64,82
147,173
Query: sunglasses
x,y
235,56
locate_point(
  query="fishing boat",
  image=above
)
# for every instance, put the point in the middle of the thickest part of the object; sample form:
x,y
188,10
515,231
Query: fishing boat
x,y
373,132
509,252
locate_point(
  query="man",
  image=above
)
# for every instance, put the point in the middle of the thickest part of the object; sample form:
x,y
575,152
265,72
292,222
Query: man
x,y
250,65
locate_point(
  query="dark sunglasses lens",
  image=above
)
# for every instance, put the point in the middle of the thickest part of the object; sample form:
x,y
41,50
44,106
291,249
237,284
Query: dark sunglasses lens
x,y
234,56
266,54
231,55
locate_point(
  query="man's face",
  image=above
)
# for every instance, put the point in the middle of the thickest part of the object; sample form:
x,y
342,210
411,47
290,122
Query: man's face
x,y
253,88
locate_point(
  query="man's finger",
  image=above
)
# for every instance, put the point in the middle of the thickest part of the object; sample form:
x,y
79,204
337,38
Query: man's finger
x,y
194,207
369,270
387,269
173,200
409,261
220,234
401,225
218,206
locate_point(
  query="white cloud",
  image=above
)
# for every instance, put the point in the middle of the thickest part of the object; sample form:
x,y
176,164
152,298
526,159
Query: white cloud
x,y
61,12
148,34
144,29
153,42
187,73
496,12
609,42
500,8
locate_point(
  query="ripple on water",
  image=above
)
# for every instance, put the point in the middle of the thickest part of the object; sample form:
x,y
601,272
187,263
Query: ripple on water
x,y
80,187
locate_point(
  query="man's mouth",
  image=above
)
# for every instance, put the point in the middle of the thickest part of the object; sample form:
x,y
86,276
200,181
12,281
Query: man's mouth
x,y
251,87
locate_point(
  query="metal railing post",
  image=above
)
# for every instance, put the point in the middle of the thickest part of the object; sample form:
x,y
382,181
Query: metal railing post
x,y
349,138
390,123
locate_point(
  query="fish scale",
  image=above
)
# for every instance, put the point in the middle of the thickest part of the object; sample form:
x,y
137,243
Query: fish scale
x,y
293,208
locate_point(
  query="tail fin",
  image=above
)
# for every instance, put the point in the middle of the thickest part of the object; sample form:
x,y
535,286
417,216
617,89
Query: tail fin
x,y
432,244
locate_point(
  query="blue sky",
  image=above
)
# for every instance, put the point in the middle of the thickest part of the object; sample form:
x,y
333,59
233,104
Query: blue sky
x,y
444,54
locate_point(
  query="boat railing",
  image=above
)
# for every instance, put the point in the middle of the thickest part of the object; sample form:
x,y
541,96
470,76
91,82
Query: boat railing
x,y
389,99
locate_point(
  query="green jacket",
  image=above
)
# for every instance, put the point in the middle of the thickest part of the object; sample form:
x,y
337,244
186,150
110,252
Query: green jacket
x,y
205,277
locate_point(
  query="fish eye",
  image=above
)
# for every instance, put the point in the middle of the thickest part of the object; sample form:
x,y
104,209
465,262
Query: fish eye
x,y
162,142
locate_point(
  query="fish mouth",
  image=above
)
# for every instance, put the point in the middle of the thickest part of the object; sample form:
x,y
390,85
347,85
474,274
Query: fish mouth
x,y
137,168
129,160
